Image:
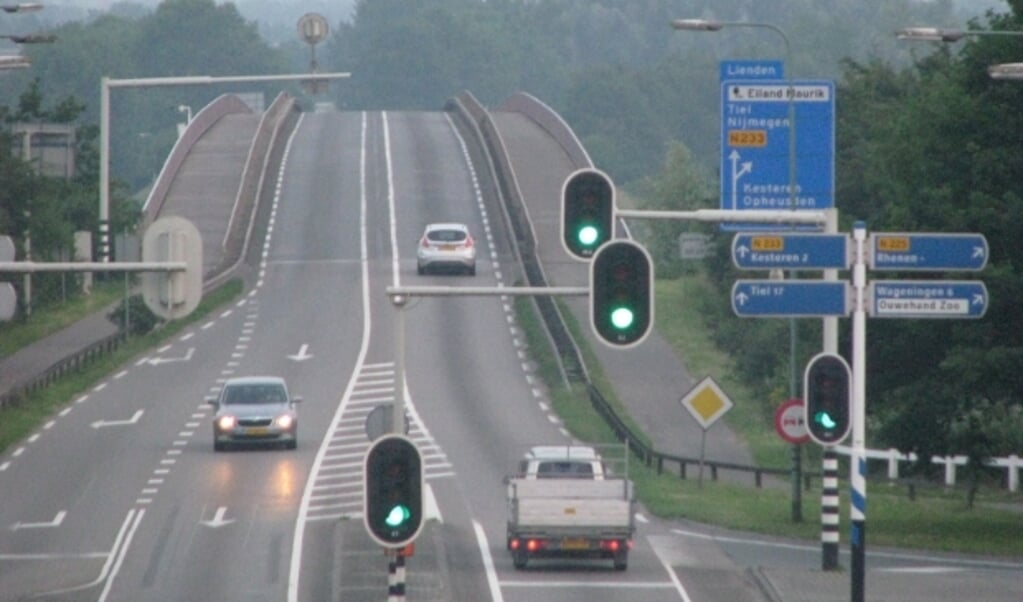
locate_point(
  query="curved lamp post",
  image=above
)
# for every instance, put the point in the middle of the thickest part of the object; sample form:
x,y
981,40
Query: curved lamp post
x,y
714,26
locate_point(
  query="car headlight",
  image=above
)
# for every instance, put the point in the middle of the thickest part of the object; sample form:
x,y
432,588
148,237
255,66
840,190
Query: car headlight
x,y
226,423
285,421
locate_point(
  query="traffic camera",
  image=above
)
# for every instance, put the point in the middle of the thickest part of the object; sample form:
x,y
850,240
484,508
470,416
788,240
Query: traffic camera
x,y
393,491
587,212
621,297
828,398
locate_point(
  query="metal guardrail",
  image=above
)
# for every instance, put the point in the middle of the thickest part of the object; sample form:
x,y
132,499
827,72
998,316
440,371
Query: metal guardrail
x,y
73,363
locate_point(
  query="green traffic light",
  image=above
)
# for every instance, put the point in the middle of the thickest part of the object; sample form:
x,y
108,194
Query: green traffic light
x,y
824,419
398,515
588,235
622,317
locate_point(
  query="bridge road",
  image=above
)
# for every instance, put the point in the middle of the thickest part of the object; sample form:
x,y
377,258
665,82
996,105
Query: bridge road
x,y
650,379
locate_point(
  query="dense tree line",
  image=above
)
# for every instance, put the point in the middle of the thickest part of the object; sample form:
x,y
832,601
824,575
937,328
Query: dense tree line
x,y
925,142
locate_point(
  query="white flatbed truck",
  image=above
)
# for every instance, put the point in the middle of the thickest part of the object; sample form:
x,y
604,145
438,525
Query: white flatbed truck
x,y
570,517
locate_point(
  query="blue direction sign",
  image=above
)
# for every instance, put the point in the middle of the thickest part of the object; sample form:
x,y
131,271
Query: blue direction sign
x,y
751,69
791,298
927,299
791,251
934,252
755,152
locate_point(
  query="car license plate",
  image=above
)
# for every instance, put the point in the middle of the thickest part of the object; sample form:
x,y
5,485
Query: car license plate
x,y
574,543
255,431
448,247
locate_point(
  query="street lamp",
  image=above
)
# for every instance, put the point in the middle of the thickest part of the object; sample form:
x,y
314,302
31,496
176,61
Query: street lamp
x,y
23,7
934,34
1006,71
714,26
187,110
937,34
830,324
17,61
31,38
14,61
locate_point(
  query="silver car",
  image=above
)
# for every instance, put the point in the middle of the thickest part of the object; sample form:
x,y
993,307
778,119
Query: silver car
x,y
255,410
447,246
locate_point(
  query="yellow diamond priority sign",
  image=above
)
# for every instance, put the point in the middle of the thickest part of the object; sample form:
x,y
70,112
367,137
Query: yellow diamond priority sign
x,y
706,402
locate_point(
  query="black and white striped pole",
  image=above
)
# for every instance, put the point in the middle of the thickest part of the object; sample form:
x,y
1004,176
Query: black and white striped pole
x,y
829,511
396,577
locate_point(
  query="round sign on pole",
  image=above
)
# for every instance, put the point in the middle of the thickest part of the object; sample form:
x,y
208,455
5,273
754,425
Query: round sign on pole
x,y
789,422
313,28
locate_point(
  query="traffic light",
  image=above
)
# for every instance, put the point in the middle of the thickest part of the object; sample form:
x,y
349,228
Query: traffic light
x,y
587,212
393,491
828,398
621,298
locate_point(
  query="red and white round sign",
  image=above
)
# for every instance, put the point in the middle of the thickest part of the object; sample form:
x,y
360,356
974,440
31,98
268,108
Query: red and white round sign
x,y
789,422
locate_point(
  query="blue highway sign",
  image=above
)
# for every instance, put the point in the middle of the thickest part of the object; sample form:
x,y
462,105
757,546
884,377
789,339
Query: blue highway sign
x,y
790,298
927,299
791,251
900,251
755,153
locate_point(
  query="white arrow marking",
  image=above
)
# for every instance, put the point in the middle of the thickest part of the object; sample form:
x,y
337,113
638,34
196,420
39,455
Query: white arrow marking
x,y
302,355
978,252
978,299
218,519
156,361
59,518
132,420
742,251
742,298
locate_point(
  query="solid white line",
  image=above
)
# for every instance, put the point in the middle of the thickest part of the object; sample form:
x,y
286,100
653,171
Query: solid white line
x,y
120,556
488,563
674,579
811,548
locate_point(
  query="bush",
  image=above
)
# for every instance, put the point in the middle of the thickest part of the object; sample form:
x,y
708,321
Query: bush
x,y
134,316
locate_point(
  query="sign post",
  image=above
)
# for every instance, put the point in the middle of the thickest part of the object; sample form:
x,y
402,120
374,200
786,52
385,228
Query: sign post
x,y
887,251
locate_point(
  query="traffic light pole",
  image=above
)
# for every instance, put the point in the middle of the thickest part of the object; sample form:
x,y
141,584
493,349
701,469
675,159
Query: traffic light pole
x,y
398,410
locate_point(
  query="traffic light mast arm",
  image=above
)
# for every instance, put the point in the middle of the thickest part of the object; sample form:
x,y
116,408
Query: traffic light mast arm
x,y
29,267
760,216
486,291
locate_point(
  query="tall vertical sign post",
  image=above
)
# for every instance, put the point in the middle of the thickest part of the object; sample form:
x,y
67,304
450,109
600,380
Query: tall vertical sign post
x,y
895,251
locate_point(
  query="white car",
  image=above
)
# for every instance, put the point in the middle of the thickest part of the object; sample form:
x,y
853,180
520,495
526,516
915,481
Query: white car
x,y
446,246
